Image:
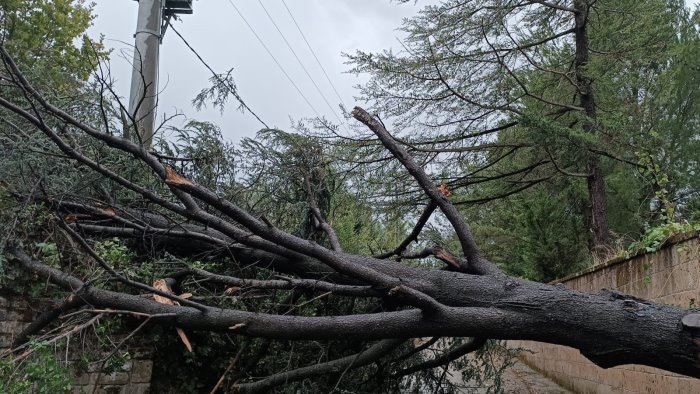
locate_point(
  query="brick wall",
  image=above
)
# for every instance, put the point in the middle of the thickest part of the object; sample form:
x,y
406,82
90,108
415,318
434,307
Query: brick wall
x,y
670,276
16,312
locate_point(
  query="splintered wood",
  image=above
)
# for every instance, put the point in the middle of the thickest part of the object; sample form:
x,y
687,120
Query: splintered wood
x,y
162,285
444,190
173,178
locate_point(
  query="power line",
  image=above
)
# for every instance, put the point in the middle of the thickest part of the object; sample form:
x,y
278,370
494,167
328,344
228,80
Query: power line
x,y
231,89
300,62
313,53
274,58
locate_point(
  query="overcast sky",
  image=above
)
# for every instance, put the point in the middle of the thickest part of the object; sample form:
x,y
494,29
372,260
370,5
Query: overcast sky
x,y
223,39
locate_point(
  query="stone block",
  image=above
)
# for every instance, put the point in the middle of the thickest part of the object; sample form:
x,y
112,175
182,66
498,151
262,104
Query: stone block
x,y
143,388
77,352
141,371
15,303
585,386
115,378
6,340
83,389
678,280
623,278
112,389
127,366
635,381
668,384
141,353
11,327
561,379
653,385
607,375
25,315
688,386
80,389
588,371
602,388
81,378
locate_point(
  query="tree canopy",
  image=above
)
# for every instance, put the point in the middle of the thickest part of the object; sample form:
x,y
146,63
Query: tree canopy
x,y
502,97
519,137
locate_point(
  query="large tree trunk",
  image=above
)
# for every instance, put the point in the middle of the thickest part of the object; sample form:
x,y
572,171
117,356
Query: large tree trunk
x,y
609,328
598,212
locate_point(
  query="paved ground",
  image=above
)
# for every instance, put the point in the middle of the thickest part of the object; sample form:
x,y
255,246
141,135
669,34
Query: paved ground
x,y
521,379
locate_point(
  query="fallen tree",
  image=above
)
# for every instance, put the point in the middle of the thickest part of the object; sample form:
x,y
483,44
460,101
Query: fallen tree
x,y
469,297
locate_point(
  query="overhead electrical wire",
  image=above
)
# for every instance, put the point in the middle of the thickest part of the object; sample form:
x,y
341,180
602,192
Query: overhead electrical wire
x,y
275,59
330,107
314,54
231,89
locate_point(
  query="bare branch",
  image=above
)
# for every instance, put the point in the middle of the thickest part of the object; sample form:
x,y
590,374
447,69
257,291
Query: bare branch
x,y
332,236
285,284
88,249
46,318
448,356
553,5
365,357
413,236
469,248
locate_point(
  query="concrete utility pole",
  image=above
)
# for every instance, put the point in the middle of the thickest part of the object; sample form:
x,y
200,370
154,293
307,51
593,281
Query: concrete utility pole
x,y
144,76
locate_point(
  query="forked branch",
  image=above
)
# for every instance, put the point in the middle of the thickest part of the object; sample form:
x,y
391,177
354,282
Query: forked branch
x,y
476,263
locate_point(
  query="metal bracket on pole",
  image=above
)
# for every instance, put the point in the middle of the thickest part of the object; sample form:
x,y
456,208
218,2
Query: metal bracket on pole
x,y
151,32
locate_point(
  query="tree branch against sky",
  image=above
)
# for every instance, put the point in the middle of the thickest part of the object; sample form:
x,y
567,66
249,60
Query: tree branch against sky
x,y
290,261
331,28
478,81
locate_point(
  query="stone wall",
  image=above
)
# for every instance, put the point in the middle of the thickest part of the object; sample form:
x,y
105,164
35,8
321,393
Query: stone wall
x,y
671,276
16,312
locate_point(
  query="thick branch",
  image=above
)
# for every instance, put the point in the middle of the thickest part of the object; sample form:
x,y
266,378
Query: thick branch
x,y
365,357
287,284
448,356
471,251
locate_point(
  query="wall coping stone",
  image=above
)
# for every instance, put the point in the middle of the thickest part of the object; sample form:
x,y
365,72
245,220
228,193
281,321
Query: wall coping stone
x,y
669,242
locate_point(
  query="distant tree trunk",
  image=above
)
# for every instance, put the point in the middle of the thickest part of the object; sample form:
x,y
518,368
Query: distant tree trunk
x,y
598,207
598,212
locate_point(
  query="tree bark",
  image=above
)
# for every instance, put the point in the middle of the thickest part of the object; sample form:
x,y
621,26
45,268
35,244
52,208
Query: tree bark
x,y
608,328
598,212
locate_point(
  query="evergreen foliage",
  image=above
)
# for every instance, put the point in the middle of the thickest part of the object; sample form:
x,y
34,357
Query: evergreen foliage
x,y
484,96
